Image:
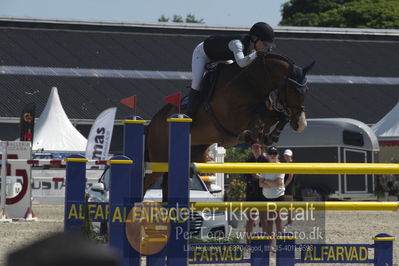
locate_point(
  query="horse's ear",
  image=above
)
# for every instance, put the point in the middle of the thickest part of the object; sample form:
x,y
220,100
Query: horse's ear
x,y
308,67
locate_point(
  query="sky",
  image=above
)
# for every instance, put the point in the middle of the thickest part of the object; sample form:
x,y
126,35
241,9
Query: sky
x,y
228,13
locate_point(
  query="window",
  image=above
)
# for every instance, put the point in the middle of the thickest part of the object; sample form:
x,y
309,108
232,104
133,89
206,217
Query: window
x,y
353,138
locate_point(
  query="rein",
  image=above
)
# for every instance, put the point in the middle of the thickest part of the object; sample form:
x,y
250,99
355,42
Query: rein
x,y
281,107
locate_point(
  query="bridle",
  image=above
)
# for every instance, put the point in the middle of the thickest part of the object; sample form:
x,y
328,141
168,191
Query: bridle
x,y
274,97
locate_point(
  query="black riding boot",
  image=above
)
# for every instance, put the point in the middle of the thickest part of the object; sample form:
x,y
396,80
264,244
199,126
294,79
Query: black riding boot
x,y
194,101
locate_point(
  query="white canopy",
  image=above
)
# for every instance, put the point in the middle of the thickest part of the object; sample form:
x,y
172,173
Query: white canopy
x,y
387,129
53,130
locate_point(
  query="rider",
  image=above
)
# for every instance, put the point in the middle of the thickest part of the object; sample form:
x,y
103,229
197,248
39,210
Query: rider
x,y
240,48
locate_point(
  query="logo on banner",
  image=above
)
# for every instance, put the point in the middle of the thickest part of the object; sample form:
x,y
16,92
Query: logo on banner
x,y
99,143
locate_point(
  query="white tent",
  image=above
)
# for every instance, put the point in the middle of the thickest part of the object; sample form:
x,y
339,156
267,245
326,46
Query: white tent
x,y
53,130
387,129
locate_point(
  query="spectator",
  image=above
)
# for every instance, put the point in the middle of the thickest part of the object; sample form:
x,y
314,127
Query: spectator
x,y
254,192
289,183
273,190
264,153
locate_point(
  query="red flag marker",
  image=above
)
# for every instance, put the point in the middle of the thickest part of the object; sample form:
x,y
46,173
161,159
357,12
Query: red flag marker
x,y
173,99
130,102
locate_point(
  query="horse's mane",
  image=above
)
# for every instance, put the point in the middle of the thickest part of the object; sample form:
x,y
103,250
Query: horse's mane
x,y
295,72
280,57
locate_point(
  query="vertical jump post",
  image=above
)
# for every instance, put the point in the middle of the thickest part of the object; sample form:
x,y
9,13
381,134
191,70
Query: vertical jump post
x,y
119,206
75,178
133,147
178,190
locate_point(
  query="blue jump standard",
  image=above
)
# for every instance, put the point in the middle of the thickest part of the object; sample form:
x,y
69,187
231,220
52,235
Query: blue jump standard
x,y
126,188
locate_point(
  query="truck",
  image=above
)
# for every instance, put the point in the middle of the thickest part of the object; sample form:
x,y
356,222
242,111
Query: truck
x,y
334,140
202,224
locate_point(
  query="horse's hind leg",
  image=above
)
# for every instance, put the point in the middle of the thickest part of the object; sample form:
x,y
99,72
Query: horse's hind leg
x,y
165,182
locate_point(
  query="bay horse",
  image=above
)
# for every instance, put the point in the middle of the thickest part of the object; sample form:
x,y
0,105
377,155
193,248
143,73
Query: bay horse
x,y
270,91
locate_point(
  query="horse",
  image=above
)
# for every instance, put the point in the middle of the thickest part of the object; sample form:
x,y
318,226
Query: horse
x,y
269,92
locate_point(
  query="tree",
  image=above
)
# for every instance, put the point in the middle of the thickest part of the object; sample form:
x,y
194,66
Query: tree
x,y
177,19
379,14
163,19
190,18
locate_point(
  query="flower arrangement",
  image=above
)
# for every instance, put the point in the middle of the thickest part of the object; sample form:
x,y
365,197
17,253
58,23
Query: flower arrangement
x,y
387,185
236,190
379,190
236,185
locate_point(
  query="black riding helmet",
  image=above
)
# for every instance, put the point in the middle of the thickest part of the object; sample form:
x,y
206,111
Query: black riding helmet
x,y
264,33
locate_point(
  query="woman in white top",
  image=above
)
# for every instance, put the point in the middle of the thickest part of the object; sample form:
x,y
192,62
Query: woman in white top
x,y
289,185
273,190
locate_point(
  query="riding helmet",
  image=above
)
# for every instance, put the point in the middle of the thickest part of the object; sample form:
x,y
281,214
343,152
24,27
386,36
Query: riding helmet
x,y
264,33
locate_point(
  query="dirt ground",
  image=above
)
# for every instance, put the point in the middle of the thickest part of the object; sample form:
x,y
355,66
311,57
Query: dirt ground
x,y
341,227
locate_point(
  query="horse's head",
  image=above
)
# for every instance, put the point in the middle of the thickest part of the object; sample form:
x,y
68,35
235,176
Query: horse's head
x,y
288,89
290,98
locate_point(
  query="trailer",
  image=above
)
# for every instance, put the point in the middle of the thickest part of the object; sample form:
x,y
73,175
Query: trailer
x,y
334,140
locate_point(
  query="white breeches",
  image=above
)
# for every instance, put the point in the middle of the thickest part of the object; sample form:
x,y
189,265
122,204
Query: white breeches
x,y
199,60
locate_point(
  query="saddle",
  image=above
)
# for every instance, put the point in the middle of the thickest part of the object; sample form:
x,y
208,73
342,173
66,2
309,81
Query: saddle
x,y
208,83
208,87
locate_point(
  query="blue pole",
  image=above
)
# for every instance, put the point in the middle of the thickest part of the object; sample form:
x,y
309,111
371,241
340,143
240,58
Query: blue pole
x,y
133,147
75,193
178,191
383,250
285,254
158,259
260,245
119,202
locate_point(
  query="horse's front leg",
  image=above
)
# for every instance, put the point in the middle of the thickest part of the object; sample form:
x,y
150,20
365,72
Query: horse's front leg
x,y
272,119
274,136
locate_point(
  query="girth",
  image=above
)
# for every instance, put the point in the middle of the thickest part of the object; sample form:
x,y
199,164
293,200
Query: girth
x,y
215,121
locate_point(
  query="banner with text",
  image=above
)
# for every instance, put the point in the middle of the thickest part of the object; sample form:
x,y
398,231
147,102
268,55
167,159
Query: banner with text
x,y
99,140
